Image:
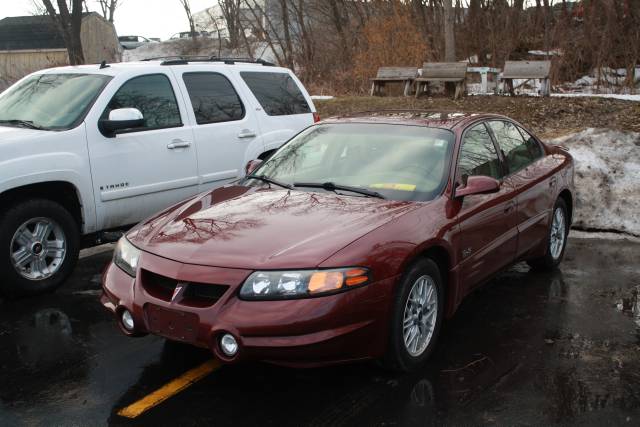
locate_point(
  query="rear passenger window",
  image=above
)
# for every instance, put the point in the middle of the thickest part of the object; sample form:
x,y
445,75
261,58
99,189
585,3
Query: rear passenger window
x,y
532,144
213,98
278,93
153,96
478,155
517,152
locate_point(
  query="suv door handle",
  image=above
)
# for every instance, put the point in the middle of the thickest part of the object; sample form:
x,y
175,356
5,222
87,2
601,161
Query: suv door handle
x,y
246,133
178,143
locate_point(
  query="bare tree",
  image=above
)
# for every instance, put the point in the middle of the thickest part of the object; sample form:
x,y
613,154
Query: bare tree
x,y
449,32
231,14
108,8
187,9
69,24
286,31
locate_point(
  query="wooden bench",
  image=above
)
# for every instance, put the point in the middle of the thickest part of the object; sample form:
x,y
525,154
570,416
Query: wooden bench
x,y
527,70
442,72
386,75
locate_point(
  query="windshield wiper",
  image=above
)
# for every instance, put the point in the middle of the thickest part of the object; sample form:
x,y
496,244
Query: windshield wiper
x,y
269,181
330,186
24,123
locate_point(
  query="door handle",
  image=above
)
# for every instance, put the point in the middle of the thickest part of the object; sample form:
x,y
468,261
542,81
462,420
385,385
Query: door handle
x,y
246,133
510,206
178,143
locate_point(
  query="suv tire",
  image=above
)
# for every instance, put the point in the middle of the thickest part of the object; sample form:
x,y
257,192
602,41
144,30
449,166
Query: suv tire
x,y
39,246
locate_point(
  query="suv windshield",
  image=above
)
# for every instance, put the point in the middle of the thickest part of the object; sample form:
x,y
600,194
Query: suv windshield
x,y
50,101
399,162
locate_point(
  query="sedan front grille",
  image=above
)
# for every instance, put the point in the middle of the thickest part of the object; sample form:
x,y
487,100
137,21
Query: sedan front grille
x,y
194,295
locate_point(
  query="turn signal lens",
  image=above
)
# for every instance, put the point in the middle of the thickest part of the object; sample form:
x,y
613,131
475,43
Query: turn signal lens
x,y
316,117
324,281
356,276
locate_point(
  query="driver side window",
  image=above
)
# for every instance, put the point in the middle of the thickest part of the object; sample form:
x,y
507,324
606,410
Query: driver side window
x,y
478,155
153,96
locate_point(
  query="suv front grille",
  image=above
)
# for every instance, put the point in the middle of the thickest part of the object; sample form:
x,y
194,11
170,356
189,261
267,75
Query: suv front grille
x,y
195,294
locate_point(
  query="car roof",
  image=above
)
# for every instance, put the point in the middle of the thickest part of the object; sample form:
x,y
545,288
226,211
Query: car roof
x,y
427,118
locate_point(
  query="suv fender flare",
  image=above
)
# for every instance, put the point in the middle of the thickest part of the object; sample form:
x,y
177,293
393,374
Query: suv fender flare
x,y
81,184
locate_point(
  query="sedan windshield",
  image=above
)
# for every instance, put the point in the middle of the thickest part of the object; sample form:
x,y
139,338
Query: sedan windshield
x,y
50,101
397,162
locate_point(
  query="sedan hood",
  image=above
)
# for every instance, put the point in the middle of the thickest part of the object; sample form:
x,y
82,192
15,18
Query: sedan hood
x,y
242,227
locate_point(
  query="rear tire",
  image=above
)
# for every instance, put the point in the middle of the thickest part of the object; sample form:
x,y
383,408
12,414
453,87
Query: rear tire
x,y
418,311
556,241
39,246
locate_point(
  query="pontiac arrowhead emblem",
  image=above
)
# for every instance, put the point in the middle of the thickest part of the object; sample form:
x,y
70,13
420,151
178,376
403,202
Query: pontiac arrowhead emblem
x,y
178,292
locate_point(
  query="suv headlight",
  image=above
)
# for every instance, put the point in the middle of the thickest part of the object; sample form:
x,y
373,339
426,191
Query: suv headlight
x,y
269,285
126,256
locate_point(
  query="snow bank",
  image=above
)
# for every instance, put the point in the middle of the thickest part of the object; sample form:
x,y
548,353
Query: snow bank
x,y
203,46
624,97
607,179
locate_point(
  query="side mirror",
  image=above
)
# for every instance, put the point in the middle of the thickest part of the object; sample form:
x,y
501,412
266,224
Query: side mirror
x,y
252,165
479,185
119,119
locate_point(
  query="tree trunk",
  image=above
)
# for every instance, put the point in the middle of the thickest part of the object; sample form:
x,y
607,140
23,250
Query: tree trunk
x,y
286,33
69,24
449,33
187,9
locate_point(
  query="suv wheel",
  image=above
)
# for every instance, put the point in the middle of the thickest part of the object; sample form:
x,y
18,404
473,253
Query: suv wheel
x,y
418,312
39,244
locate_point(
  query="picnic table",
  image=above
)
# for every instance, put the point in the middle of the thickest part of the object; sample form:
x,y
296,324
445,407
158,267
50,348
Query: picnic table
x,y
386,75
484,77
442,72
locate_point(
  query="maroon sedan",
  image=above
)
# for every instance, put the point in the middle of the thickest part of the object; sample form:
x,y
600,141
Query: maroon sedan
x,y
355,240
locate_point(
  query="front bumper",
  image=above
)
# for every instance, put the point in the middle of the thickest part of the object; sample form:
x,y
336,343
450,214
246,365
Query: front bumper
x,y
348,326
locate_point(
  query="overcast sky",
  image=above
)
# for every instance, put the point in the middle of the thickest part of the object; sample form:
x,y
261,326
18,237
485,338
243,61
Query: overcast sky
x,y
149,18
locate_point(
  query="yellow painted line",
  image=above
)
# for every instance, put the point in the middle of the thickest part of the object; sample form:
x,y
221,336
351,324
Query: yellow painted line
x,y
171,388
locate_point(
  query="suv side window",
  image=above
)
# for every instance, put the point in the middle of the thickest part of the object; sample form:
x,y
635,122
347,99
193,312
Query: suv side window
x,y
213,98
517,152
478,155
153,96
278,93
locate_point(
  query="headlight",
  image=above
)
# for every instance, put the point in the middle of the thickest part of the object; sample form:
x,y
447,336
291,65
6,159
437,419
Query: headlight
x,y
126,256
301,283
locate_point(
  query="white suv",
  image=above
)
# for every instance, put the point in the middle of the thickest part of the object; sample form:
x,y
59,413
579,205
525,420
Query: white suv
x,y
100,147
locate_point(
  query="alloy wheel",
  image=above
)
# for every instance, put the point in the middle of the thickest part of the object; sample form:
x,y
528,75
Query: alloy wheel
x,y
558,233
420,315
38,248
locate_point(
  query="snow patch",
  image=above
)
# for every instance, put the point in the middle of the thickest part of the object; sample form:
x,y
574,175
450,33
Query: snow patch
x,y
624,97
201,46
607,179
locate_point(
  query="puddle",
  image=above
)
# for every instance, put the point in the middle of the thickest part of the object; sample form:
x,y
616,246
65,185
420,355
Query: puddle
x,y
631,305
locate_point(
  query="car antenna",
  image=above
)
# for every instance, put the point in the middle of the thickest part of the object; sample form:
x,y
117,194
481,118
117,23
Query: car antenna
x,y
104,65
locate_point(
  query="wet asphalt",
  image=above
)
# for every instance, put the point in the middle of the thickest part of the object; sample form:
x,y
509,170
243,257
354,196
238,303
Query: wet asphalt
x,y
527,349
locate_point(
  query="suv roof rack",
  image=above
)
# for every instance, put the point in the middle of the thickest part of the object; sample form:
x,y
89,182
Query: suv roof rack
x,y
183,60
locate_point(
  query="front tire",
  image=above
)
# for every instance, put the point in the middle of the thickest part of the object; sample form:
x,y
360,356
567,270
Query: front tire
x,y
556,241
418,311
39,246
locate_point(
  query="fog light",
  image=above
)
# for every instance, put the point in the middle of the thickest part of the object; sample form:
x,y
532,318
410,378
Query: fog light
x,y
127,320
229,345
